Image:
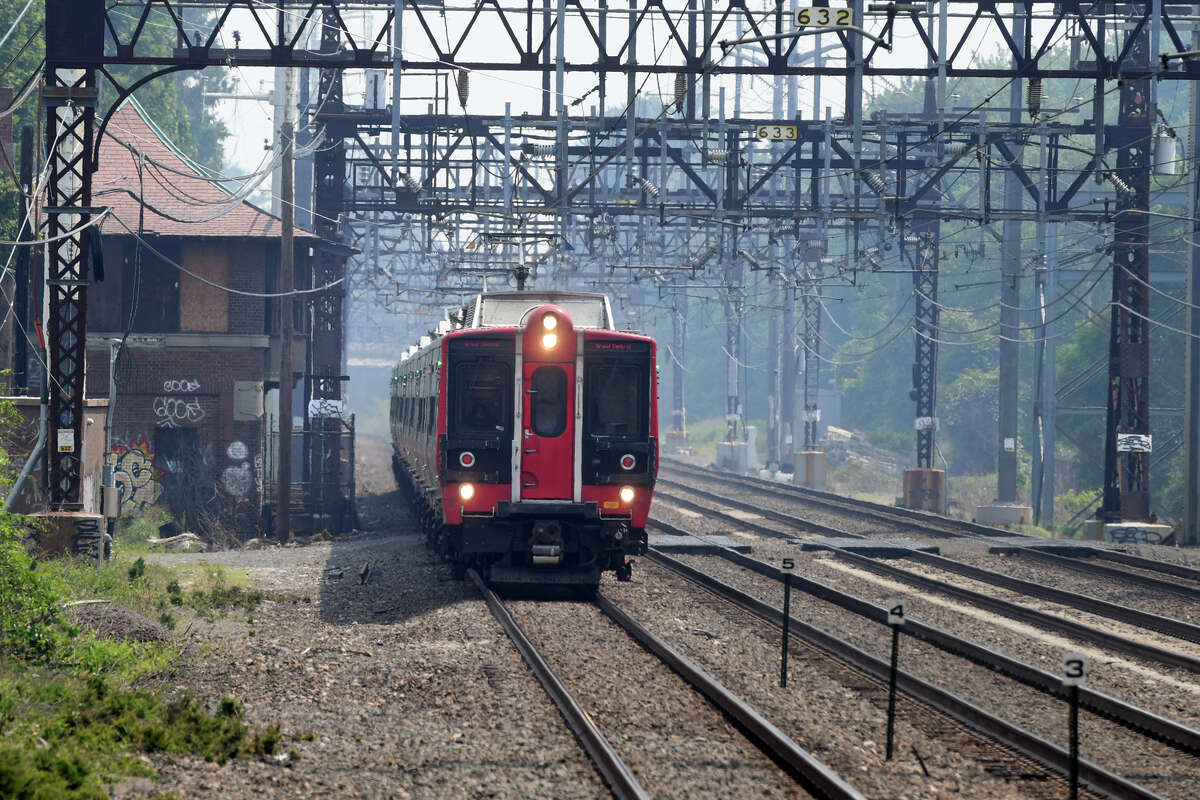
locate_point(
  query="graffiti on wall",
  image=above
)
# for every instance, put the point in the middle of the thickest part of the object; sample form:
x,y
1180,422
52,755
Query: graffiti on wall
x,y
172,410
238,478
138,478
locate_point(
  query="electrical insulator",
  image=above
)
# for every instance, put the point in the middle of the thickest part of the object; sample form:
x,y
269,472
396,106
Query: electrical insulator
x,y
1121,186
648,187
718,156
544,149
955,149
1033,96
874,181
680,91
703,257
463,81
910,239
410,183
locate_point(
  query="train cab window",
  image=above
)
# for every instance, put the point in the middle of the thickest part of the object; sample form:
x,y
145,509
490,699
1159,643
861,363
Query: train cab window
x,y
548,406
616,400
482,397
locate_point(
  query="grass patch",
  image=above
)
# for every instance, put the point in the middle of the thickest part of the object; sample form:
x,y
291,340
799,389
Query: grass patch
x,y
66,737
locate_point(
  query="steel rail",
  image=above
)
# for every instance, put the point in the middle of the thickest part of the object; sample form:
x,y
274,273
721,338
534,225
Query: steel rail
x,y
897,515
815,776
1027,744
1005,608
612,768
1139,719
1178,570
1084,602
1157,584
1176,628
1022,613
767,513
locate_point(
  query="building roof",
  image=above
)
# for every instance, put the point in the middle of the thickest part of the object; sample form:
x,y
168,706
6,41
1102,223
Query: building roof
x,y
179,201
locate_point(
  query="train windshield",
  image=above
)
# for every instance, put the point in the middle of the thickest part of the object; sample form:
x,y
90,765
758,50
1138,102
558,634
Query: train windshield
x,y
482,394
548,408
617,399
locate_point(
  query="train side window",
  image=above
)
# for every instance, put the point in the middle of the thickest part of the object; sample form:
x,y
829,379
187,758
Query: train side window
x,y
548,406
617,403
481,397
432,415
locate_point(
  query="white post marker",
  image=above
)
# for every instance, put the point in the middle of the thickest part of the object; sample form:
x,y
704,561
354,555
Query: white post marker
x,y
1074,671
895,618
789,564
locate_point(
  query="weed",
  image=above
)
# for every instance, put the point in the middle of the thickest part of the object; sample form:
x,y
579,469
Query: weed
x,y
138,569
168,620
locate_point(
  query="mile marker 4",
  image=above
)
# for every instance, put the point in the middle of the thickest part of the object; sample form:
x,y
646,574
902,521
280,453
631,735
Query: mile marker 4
x,y
1074,669
895,611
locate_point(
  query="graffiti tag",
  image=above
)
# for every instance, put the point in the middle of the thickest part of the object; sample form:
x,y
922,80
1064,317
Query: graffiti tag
x,y
136,474
172,412
181,385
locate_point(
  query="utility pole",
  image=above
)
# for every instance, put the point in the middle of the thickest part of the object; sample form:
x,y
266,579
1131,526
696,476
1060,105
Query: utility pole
x,y
1010,300
1127,442
20,295
1191,417
287,272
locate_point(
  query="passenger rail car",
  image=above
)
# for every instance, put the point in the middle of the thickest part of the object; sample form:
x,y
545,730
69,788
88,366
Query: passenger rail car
x,y
525,432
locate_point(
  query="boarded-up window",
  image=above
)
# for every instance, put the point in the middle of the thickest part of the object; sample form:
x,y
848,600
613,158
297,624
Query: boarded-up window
x,y
203,307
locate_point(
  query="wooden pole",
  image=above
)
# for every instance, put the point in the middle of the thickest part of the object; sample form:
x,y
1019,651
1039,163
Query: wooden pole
x,y
287,213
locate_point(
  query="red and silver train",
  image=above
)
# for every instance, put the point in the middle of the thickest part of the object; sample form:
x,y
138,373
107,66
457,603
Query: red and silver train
x,y
525,432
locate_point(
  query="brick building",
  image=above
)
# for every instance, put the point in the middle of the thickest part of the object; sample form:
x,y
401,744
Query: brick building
x,y
195,386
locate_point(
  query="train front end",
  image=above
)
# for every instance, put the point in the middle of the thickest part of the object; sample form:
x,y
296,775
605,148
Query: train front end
x,y
549,452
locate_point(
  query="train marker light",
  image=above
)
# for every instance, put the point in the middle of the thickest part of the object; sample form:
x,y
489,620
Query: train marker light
x,y
549,341
628,461
626,494
549,322
466,491
466,459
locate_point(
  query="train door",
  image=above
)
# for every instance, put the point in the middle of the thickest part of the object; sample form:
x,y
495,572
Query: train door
x,y
548,432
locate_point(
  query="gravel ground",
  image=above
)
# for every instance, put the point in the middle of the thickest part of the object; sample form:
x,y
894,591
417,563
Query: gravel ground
x,y
1156,766
832,711
1130,595
1173,693
406,685
674,741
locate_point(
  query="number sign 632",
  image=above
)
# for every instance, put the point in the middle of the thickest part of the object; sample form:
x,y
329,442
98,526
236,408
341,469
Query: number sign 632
x,y
822,17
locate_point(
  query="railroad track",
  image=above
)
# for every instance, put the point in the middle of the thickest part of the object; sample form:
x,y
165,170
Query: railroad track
x,y
813,776
1019,750
935,526
1131,616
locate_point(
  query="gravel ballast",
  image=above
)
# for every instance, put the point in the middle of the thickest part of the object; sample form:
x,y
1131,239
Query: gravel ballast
x,y
674,741
1155,765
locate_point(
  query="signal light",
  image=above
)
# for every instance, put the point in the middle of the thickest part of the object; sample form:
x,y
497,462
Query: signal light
x,y
549,322
628,461
466,491
466,459
626,494
549,341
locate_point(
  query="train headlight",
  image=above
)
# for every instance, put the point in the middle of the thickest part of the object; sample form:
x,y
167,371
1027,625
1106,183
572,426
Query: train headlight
x,y
549,341
626,494
549,322
466,491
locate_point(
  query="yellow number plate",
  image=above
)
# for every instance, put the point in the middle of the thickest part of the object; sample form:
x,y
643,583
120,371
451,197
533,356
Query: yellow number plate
x,y
776,133
823,17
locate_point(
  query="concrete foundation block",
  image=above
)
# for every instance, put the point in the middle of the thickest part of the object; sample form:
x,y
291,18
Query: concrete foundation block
x,y
733,456
925,490
80,533
1128,532
810,469
678,443
1004,515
